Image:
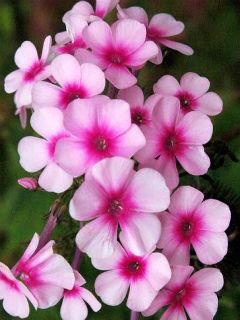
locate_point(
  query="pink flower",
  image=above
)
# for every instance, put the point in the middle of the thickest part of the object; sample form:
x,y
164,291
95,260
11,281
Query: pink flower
x,y
171,137
141,113
114,195
28,183
191,92
31,69
117,48
45,273
73,305
76,81
38,153
192,221
101,128
142,275
14,294
194,294
161,27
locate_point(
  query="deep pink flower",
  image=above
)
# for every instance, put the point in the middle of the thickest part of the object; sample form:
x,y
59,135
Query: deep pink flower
x,y
31,69
28,183
117,48
76,81
73,305
142,275
194,294
38,153
161,27
171,137
14,294
45,273
141,112
113,194
192,221
101,128
191,92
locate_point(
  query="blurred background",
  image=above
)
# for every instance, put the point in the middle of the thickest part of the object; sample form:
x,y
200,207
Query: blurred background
x,y
212,29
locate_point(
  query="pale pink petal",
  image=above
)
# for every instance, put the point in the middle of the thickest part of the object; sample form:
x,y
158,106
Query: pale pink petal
x,y
66,70
166,25
175,312
158,270
194,160
211,247
98,238
28,294
75,25
177,253
45,94
203,307
85,56
167,167
195,128
33,153
152,101
47,295
166,112
113,174
62,37
136,13
26,55
73,308
167,86
120,76
103,7
141,295
207,280
163,298
55,179
147,51
111,288
13,81
15,303
194,84
133,95
167,228
182,48
23,96
46,48
22,112
92,79
91,300
159,57
210,103
82,7
180,275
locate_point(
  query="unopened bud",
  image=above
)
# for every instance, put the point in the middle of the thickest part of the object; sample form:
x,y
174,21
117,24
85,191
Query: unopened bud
x,y
28,183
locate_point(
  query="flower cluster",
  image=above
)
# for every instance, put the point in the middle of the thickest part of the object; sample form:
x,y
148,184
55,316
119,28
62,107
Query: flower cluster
x,y
122,156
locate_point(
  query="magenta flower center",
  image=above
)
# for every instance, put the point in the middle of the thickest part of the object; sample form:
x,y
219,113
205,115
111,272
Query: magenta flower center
x,y
33,71
138,116
101,144
9,282
187,228
71,93
154,34
187,101
115,207
71,47
170,142
133,267
116,58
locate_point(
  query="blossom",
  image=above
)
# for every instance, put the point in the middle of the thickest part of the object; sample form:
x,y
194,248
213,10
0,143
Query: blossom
x,y
191,92
117,48
194,294
28,183
38,153
141,113
76,81
161,27
73,305
100,128
113,194
45,273
31,69
170,138
192,221
14,294
142,275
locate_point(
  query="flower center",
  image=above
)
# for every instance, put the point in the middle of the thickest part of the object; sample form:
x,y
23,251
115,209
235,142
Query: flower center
x,y
114,206
185,102
180,295
170,142
34,71
101,144
134,266
137,118
187,228
116,58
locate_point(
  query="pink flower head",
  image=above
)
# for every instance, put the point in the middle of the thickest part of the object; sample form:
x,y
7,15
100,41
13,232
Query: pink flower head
x,y
142,275
192,221
114,195
31,69
14,294
191,92
141,113
117,48
172,138
45,273
101,128
161,27
73,305
194,294
38,153
28,183
76,81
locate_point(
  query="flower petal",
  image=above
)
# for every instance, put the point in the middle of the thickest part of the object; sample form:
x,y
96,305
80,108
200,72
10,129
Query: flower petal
x,y
175,312
91,300
120,76
166,24
92,79
73,308
46,49
133,95
203,307
45,94
210,103
166,112
167,86
207,280
147,51
26,55
23,96
15,303
103,7
194,84
180,47
136,13
13,81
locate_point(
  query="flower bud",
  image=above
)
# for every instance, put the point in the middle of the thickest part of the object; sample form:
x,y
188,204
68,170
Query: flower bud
x,y
28,183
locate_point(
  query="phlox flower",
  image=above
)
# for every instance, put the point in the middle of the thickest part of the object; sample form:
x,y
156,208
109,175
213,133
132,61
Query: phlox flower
x,y
119,47
192,221
160,29
75,80
31,69
141,112
14,294
194,294
191,92
100,128
142,275
45,273
73,305
38,153
114,195
171,137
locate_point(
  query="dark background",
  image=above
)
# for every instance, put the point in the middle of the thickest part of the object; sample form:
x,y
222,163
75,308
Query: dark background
x,y
212,29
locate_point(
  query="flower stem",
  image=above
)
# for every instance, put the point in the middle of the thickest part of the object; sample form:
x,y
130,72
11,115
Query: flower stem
x,y
135,315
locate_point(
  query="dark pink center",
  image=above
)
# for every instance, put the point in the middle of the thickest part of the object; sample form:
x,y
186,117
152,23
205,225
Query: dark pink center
x,y
170,142
11,283
71,47
53,141
114,207
133,267
71,93
34,71
154,34
139,116
101,144
187,228
187,101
